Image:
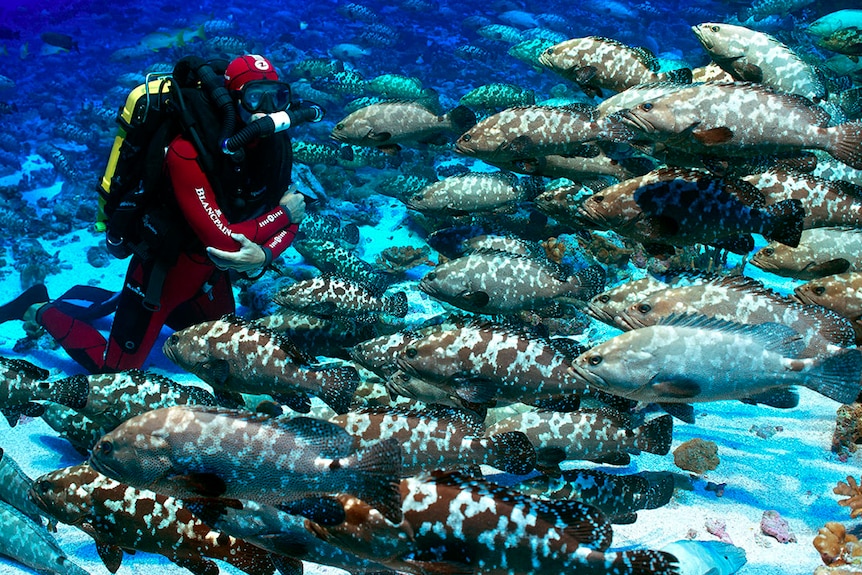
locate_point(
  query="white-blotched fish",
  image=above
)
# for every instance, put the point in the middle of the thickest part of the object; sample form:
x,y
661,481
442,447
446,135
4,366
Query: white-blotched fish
x,y
596,64
692,358
120,518
493,282
754,56
297,465
235,356
719,119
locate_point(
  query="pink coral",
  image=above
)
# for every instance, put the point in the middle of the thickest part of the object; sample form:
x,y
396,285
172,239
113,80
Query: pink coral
x,y
773,524
718,528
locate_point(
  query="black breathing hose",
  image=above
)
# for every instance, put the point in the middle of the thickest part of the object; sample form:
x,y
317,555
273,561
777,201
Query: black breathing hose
x,y
214,85
270,124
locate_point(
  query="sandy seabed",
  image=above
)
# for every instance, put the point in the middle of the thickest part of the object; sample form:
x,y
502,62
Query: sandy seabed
x,y
791,472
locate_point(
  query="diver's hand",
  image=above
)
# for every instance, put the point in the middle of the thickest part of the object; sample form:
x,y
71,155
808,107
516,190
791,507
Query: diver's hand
x,y
250,256
293,204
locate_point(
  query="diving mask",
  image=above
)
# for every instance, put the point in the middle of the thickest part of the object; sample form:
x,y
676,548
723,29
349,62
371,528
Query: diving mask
x,y
264,96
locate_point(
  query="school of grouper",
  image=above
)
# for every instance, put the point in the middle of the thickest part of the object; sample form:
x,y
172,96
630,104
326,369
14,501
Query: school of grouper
x,y
754,143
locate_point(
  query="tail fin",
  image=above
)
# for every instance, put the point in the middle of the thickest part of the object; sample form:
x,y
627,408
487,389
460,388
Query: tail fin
x,y
788,217
243,555
512,452
656,435
847,145
377,477
461,118
396,304
350,234
642,562
837,376
339,387
678,76
588,282
660,490
70,391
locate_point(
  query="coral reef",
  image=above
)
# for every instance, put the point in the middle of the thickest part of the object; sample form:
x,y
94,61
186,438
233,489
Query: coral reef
x,y
606,251
399,259
33,262
718,528
697,456
718,488
836,546
838,570
854,496
554,249
848,430
765,431
774,525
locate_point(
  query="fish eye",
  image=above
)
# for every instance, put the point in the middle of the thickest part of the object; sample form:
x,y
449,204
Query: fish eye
x,y
819,290
644,308
768,251
595,359
173,339
339,126
43,486
604,298
715,28
105,447
646,106
430,276
466,138
411,352
599,198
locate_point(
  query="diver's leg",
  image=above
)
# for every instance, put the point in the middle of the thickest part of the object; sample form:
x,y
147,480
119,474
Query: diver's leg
x,y
15,309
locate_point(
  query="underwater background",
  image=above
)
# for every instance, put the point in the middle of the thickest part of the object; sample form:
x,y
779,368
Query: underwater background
x,y
69,66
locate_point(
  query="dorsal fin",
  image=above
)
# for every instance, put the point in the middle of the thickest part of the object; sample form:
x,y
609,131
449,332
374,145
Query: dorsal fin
x,y
280,340
470,423
773,336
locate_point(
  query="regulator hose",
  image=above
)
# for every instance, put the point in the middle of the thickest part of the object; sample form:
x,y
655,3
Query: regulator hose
x,y
270,124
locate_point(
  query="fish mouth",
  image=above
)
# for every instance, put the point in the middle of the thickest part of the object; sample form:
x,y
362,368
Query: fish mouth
x,y
631,118
428,288
598,313
629,322
704,38
170,353
591,217
589,378
763,263
461,148
101,466
802,297
338,137
405,367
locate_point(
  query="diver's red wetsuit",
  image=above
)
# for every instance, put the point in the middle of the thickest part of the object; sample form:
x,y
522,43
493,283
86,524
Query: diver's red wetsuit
x,y
194,289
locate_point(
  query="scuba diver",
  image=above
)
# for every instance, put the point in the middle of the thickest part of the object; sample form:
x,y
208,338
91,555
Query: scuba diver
x,y
238,218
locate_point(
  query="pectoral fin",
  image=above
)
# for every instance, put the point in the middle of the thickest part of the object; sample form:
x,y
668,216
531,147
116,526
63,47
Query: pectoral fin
x,y
748,72
321,510
681,388
206,484
713,136
111,556
836,266
477,299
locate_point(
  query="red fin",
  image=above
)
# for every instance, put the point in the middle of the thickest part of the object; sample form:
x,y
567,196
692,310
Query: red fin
x,y
714,136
